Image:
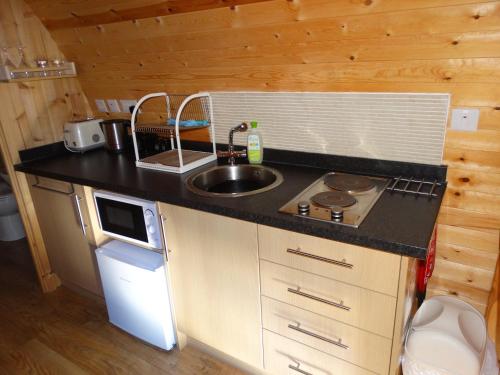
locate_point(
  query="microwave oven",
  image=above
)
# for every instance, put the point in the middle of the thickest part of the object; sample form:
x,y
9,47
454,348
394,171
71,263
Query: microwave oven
x,y
130,219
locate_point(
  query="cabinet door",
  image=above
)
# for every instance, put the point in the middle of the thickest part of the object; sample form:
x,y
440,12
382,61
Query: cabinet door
x,y
213,263
61,221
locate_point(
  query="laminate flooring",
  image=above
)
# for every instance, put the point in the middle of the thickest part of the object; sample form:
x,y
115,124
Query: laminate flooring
x,y
66,333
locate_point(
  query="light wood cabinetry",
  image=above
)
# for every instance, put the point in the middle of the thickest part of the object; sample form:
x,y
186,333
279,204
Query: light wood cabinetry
x,y
343,341
343,302
273,299
283,356
330,307
214,270
63,216
367,268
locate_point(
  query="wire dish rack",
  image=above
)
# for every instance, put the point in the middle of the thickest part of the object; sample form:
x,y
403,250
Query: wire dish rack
x,y
415,186
183,113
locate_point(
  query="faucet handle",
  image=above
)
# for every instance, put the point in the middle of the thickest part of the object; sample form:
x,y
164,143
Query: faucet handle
x,y
234,154
222,154
240,154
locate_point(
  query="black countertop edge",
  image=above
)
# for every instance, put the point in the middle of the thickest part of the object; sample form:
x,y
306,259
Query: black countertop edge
x,y
398,223
286,222
303,226
42,152
372,167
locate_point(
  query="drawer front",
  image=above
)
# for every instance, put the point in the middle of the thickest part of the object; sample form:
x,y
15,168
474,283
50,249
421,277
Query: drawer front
x,y
367,268
283,356
359,347
356,306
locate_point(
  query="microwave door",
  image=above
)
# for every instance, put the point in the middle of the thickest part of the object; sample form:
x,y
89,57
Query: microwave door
x,y
122,219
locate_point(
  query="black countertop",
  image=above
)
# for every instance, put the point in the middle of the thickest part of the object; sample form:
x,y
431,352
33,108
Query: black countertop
x,y
400,224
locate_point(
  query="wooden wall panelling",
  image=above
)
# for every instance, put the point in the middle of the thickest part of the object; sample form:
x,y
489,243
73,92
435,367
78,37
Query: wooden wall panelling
x,y
319,45
465,264
33,113
58,16
455,25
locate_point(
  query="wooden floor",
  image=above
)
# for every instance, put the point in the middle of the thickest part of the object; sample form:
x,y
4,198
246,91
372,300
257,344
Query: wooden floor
x,y
66,333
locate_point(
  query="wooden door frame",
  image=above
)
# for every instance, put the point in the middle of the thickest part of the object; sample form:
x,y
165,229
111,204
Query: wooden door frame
x,y
49,281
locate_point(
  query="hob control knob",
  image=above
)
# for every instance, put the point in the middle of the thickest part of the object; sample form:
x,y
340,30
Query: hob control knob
x,y
303,208
337,213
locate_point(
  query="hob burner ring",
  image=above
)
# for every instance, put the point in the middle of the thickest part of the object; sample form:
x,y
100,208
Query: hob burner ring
x,y
333,198
348,183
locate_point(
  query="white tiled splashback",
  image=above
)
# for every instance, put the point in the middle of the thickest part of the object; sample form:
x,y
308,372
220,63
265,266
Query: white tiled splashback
x,y
390,126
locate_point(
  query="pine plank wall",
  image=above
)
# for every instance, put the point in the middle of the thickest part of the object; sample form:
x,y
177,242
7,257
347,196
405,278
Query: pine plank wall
x,y
33,114
125,49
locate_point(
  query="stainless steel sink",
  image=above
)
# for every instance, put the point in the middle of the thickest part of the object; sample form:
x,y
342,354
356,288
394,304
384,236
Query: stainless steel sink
x,y
234,180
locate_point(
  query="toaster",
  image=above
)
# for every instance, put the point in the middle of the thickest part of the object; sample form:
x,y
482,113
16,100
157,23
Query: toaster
x,y
83,135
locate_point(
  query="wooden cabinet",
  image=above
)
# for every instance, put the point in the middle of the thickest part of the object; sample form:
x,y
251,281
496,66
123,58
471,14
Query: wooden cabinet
x,y
366,268
63,216
273,299
214,271
346,303
329,306
342,341
283,356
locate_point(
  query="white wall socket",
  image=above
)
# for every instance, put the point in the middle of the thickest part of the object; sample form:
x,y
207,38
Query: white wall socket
x,y
113,105
125,104
464,119
101,105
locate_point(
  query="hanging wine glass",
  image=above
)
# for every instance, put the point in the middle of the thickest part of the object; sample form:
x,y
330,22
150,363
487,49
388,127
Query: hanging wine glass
x,y
4,56
42,63
22,58
59,63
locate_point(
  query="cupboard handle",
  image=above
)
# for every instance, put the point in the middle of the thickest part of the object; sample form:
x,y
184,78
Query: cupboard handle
x,y
296,368
79,215
316,336
340,263
38,186
319,299
163,240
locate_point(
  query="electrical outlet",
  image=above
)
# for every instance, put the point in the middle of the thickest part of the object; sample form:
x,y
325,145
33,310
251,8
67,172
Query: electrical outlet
x,y
101,105
113,105
464,119
125,104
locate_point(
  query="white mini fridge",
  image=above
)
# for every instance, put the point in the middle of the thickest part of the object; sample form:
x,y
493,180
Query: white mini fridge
x,y
136,292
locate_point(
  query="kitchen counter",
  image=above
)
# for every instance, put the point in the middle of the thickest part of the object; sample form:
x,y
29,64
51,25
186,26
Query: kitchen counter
x,y
400,224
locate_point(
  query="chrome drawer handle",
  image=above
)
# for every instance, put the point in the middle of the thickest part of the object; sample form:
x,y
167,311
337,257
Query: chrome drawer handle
x,y
296,368
163,232
319,299
79,214
38,185
316,336
340,263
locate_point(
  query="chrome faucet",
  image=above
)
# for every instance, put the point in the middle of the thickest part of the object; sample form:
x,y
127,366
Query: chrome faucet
x,y
230,153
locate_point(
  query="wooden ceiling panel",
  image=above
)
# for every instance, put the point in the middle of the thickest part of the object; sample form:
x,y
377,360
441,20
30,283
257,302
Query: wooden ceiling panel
x,y
62,14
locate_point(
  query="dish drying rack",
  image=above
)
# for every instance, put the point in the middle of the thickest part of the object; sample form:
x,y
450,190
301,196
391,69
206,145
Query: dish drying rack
x,y
194,112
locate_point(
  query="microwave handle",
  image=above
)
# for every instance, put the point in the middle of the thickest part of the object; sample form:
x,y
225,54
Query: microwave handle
x,y
79,215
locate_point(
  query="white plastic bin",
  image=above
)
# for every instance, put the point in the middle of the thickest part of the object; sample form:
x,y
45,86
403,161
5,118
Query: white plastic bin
x,y
447,337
